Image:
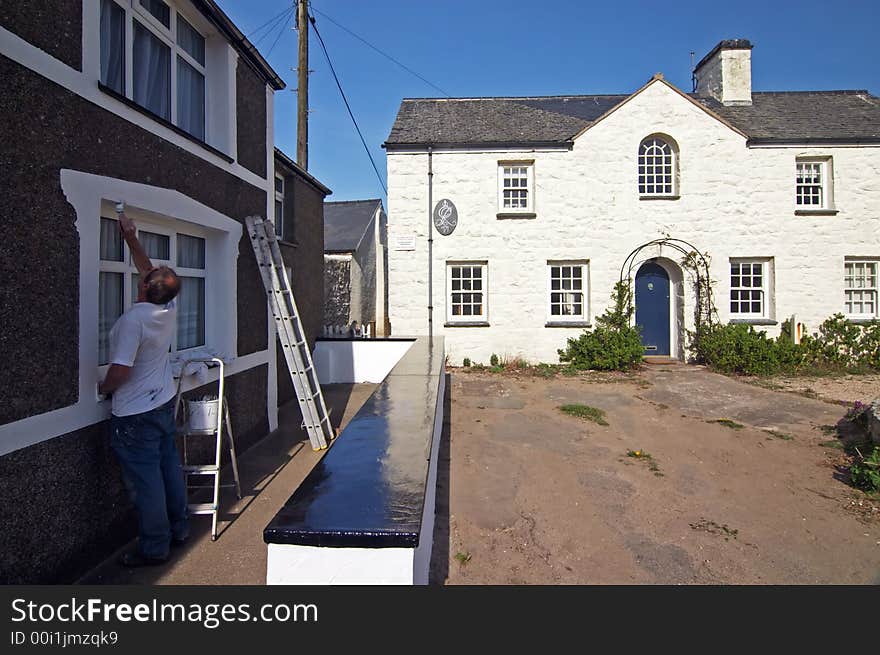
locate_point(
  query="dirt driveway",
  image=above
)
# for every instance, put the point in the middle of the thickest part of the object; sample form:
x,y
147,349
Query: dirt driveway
x,y
535,496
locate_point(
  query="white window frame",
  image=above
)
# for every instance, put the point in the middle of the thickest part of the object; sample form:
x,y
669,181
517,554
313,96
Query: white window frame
x,y
875,289
128,269
279,197
583,317
529,165
825,185
484,276
642,168
134,11
766,288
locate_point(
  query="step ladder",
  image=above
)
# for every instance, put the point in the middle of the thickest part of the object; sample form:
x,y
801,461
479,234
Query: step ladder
x,y
316,419
186,430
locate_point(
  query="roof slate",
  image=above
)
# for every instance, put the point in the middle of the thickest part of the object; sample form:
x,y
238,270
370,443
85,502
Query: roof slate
x,y
345,223
784,116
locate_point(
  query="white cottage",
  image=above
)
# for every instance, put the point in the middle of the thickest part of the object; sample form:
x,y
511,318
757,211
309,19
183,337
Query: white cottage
x,y
557,198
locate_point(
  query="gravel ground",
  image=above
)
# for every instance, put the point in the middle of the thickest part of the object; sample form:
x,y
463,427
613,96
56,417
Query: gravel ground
x,y
735,484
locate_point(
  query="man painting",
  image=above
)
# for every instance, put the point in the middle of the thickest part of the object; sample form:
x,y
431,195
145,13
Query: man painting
x,y
142,423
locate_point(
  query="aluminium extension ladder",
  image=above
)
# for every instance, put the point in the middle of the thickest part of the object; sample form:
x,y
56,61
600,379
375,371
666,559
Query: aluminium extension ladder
x,y
185,430
316,419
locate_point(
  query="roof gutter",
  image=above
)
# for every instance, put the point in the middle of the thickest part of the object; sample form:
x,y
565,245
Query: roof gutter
x,y
417,146
822,141
299,170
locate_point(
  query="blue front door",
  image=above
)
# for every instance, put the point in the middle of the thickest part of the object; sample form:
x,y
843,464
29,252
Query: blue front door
x,y
652,308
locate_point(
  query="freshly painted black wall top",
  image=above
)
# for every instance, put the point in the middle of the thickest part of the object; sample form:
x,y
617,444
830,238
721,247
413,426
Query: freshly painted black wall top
x,y
369,489
52,25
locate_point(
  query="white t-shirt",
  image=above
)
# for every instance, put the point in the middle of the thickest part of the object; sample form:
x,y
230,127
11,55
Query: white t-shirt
x,y
141,339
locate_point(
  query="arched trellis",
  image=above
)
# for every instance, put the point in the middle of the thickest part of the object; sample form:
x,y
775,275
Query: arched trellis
x,y
705,313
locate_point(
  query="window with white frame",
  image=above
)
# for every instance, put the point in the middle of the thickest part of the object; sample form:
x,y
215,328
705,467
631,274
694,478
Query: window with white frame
x,y
750,281
466,297
657,167
568,285
118,280
812,183
153,55
860,288
279,206
516,186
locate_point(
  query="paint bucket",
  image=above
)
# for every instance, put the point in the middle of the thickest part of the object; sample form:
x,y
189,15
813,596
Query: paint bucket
x,y
202,414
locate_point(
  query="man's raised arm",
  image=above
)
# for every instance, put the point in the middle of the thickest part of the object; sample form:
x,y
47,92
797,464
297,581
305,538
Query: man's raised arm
x,y
138,254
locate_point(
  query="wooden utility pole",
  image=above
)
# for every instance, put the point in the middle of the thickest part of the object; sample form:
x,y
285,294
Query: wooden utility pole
x,y
302,78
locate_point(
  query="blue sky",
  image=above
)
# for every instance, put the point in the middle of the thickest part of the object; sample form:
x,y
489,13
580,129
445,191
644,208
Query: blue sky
x,y
514,47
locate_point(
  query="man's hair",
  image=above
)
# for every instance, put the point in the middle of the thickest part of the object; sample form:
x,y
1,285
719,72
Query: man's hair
x,y
162,285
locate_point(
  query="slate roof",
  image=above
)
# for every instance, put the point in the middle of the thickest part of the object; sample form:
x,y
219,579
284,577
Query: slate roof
x,y
555,120
345,223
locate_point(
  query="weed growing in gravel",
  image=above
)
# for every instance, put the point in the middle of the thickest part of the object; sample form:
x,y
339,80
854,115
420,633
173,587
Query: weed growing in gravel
x,y
726,422
646,456
462,558
593,414
779,435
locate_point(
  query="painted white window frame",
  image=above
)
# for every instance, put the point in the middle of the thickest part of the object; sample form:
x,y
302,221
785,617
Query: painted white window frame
x,y
483,265
127,268
825,168
766,288
669,158
279,198
529,165
134,11
583,317
873,262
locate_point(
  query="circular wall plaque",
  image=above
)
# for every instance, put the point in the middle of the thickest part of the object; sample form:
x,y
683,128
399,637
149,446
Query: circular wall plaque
x,y
445,217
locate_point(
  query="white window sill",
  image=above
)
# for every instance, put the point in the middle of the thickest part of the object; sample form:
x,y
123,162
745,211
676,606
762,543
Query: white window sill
x,y
816,212
568,324
466,324
755,320
659,197
508,215
862,320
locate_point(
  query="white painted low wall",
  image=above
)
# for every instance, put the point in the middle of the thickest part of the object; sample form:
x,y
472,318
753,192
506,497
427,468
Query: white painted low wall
x,y
357,360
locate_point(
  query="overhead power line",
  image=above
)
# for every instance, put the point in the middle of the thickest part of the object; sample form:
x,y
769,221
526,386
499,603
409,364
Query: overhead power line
x,y
345,100
271,20
282,19
283,29
384,54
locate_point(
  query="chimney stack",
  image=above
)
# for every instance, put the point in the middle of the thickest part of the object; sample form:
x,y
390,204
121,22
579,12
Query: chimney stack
x,y
726,73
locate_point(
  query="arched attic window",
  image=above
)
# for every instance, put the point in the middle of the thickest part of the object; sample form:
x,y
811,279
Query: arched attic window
x,y
658,167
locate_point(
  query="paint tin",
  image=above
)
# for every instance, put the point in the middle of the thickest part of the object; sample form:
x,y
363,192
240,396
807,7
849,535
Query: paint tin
x,y
202,414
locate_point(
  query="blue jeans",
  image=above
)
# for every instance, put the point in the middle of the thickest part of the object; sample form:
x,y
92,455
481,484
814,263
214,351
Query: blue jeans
x,y
151,468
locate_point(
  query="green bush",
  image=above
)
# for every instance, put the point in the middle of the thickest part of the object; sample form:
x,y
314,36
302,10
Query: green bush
x,y
493,360
467,362
741,349
614,344
865,473
842,344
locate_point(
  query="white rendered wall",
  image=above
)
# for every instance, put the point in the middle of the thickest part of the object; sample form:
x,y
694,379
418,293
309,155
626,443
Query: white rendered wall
x,y
315,565
366,360
735,201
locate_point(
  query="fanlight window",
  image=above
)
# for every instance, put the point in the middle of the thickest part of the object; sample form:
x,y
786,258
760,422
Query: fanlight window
x,y
656,167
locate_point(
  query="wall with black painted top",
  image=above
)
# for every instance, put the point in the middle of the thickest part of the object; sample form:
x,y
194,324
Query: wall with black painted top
x,y
250,106
304,223
54,27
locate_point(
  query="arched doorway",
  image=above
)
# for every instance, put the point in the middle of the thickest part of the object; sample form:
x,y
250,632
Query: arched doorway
x,y
653,308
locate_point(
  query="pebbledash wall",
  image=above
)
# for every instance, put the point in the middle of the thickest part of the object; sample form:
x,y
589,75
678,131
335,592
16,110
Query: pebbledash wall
x,y
734,201
70,151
